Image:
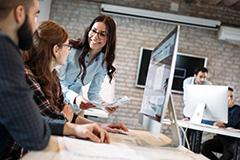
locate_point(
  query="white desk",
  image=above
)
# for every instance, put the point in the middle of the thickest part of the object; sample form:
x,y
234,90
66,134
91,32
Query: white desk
x,y
212,129
138,145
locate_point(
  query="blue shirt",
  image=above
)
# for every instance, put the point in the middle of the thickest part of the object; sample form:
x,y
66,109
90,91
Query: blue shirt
x,y
71,79
234,117
233,121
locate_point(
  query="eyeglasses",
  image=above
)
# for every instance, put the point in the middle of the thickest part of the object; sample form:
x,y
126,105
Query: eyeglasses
x,y
68,45
100,34
230,97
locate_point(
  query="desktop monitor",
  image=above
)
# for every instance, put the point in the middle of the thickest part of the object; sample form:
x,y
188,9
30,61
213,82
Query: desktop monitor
x,y
213,97
157,91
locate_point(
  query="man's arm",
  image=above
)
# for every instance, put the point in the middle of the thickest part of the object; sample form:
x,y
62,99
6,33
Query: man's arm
x,y
56,125
91,131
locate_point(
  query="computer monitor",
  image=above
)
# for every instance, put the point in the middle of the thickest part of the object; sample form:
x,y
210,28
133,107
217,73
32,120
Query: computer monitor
x,y
157,91
213,97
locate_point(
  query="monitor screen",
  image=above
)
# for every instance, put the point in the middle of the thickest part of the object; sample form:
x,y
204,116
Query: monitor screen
x,y
214,97
157,92
185,66
160,77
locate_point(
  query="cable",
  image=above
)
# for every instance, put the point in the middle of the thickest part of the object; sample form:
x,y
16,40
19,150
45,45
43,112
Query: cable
x,y
185,136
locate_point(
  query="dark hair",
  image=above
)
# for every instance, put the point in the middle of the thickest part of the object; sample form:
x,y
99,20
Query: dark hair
x,y
108,49
200,69
40,57
230,89
7,5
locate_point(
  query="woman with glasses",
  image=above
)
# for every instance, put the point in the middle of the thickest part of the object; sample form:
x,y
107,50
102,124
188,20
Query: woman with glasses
x,y
89,61
50,49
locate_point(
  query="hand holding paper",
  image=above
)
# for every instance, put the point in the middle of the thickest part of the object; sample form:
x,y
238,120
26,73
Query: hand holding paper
x,y
111,107
84,103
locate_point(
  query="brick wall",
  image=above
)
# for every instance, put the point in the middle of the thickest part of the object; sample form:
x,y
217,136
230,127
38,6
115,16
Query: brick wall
x,y
132,34
226,15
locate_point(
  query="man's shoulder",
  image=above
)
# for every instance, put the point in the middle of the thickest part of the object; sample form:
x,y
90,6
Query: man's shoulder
x,y
207,82
5,40
188,80
3,36
235,110
7,45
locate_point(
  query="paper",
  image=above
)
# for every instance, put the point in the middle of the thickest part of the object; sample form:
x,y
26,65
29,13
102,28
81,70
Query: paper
x,y
89,150
119,102
115,103
75,149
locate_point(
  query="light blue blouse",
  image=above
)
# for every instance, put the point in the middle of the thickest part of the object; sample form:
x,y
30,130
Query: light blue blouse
x,y
71,79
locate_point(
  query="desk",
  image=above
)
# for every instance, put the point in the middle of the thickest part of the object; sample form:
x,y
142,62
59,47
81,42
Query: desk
x,y
212,129
138,145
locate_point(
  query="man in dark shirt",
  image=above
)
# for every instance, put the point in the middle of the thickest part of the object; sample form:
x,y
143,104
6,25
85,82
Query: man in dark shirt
x,y
20,120
224,144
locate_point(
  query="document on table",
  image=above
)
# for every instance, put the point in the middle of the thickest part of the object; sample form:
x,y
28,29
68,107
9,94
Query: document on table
x,y
89,150
76,149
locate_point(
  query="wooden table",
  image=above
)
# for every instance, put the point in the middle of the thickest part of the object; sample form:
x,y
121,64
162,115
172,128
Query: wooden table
x,y
137,145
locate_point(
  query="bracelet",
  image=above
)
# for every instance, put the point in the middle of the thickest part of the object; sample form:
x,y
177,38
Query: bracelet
x,y
74,118
74,101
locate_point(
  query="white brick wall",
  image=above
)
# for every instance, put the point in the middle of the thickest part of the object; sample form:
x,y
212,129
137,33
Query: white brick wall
x,y
132,34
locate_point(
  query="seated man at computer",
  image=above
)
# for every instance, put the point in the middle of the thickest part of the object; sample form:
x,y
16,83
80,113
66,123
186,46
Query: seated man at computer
x,y
200,78
224,144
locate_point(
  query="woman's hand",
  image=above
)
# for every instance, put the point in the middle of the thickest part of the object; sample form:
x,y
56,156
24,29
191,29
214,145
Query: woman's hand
x,y
83,103
86,105
115,127
68,112
110,109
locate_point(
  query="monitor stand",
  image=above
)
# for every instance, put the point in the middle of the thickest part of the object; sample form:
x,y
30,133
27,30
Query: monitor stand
x,y
198,113
155,127
173,125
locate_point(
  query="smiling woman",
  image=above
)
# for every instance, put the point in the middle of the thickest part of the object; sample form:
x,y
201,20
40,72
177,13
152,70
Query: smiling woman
x,y
90,60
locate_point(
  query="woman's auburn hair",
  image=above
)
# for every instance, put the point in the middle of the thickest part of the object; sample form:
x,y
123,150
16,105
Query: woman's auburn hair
x,y
41,56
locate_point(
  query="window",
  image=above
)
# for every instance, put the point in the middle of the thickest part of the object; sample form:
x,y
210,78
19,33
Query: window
x,y
185,66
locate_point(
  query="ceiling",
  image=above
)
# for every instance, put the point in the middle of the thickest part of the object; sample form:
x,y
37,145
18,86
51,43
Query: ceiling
x,y
233,4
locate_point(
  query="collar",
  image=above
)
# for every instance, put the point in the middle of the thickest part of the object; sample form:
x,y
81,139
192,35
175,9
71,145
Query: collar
x,y
2,34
